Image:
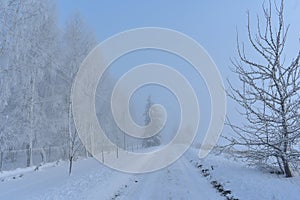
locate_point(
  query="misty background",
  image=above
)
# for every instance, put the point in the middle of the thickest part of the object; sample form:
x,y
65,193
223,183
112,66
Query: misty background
x,y
44,42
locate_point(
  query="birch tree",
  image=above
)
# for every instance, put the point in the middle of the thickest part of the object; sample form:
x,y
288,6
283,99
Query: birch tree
x,y
17,25
78,41
28,41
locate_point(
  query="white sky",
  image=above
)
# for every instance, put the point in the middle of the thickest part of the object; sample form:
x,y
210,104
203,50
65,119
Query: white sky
x,y
211,23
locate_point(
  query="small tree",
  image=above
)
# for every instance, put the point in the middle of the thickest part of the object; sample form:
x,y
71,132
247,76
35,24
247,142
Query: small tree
x,y
154,140
269,95
74,148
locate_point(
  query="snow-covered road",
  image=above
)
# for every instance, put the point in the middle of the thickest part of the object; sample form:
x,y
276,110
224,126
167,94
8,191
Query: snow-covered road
x,y
178,181
91,180
188,178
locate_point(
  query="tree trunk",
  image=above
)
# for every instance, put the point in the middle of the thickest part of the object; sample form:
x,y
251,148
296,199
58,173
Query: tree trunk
x,y
28,155
32,120
286,167
1,160
43,155
279,164
117,151
86,153
69,127
31,155
70,166
285,161
49,154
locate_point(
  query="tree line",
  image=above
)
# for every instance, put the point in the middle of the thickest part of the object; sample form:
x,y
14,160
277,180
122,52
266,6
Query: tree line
x,y
38,62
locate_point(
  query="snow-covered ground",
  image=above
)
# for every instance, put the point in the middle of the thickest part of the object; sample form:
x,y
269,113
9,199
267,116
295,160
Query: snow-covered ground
x,y
216,177
244,182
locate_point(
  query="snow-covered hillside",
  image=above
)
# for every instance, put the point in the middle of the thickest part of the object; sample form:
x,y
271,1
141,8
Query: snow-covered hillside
x,y
216,177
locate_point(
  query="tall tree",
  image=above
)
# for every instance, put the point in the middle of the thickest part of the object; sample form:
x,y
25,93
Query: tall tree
x,y
29,43
78,42
37,68
269,94
26,41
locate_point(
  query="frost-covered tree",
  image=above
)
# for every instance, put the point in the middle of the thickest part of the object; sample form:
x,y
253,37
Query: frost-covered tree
x,y
38,63
27,41
269,94
31,89
45,100
9,18
156,139
78,41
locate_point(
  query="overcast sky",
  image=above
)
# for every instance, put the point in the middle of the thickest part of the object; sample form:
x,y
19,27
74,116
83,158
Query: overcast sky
x,y
212,23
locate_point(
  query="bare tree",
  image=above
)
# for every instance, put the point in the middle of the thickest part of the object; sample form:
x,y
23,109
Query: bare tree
x,y
78,41
74,149
269,94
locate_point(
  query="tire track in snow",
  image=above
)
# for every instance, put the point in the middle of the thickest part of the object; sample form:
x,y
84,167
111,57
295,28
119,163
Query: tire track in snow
x,y
179,181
